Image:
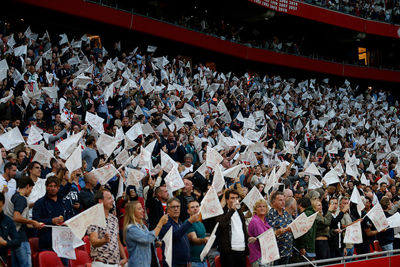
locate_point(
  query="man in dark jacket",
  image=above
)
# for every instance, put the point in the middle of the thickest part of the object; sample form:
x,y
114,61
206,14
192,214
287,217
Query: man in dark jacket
x,y
180,244
8,233
156,204
51,209
87,193
232,233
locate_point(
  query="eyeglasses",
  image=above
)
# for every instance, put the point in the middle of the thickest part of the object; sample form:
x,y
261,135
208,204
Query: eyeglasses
x,y
175,207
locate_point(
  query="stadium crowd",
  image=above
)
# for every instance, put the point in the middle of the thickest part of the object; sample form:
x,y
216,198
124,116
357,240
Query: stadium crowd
x,y
176,131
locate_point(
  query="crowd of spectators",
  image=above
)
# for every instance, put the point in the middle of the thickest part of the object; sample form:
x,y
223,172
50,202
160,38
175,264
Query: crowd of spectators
x,y
304,145
256,35
386,11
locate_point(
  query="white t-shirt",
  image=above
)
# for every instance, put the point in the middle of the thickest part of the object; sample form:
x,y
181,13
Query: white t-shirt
x,y
237,242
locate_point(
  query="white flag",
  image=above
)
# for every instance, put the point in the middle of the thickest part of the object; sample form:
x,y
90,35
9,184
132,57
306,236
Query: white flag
x,y
213,157
64,242
394,220
11,139
209,243
134,177
93,216
233,172
218,180
173,180
331,177
67,146
95,122
312,170
42,155
104,174
378,218
122,157
252,197
314,183
134,131
34,136
20,50
302,224
269,247
106,144
74,161
356,198
353,234
210,205
167,163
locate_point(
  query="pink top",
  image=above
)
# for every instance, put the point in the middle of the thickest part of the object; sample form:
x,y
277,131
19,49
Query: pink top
x,y
256,227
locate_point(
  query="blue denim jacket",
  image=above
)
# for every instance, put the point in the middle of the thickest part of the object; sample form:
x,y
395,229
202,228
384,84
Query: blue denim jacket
x,y
138,242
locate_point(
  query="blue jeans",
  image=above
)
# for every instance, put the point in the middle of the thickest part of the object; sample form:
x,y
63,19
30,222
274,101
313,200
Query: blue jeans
x,y
387,247
21,256
199,264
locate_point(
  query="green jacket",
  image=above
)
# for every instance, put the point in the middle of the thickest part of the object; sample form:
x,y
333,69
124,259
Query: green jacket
x,y
307,241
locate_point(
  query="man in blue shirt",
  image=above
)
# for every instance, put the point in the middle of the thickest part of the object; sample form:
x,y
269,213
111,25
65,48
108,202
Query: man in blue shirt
x,y
180,243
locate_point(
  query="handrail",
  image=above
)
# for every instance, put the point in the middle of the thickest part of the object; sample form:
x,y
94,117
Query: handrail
x,y
340,260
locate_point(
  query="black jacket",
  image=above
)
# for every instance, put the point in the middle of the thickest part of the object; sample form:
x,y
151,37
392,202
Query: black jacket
x,y
224,232
9,233
155,209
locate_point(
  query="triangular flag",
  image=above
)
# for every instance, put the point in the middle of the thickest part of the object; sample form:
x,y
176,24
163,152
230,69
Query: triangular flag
x,y
210,205
74,161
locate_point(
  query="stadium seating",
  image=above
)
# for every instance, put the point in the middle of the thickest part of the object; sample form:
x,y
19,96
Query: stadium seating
x,y
82,258
49,258
34,244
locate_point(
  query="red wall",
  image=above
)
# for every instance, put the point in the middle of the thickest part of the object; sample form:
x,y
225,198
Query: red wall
x,y
329,16
168,31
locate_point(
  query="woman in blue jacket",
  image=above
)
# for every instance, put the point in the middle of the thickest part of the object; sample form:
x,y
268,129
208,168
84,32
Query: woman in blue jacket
x,y
138,238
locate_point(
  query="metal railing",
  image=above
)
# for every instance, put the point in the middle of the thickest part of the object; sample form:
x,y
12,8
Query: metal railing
x,y
348,259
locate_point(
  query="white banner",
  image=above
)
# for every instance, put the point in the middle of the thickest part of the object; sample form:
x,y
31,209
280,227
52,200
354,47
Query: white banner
x,y
79,223
353,234
210,205
378,218
302,224
269,247
65,242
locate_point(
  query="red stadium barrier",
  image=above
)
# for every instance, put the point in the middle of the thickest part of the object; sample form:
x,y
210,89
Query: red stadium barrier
x,y
332,17
165,30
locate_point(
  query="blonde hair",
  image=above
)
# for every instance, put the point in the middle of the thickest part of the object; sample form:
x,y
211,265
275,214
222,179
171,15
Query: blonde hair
x,y
258,202
314,202
129,217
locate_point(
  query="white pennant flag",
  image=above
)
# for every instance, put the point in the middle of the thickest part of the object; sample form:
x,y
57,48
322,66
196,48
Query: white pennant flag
x,y
95,122
106,144
269,246
67,146
173,180
213,157
364,180
122,157
93,216
302,224
353,234
356,198
378,218
210,205
74,161
64,242
394,220
134,177
34,136
209,243
168,246
134,132
314,183
167,163
312,170
104,174
252,197
233,172
218,181
331,177
11,139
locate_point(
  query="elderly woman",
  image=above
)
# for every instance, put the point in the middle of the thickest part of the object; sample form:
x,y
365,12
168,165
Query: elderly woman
x,y
138,238
257,226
